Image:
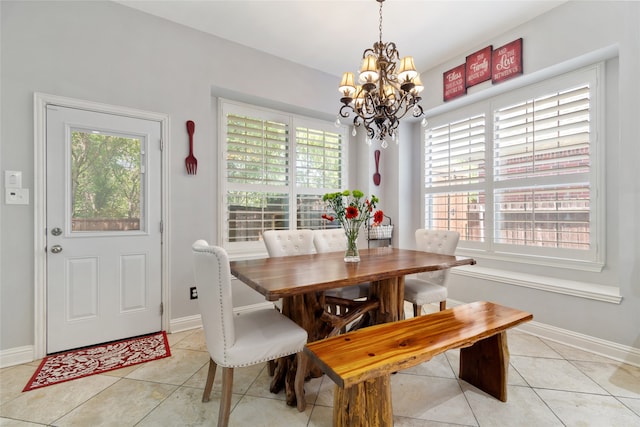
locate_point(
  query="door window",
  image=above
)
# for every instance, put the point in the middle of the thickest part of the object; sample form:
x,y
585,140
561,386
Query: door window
x,y
106,181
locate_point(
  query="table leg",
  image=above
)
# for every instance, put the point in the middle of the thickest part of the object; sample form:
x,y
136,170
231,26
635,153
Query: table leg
x,y
305,310
390,293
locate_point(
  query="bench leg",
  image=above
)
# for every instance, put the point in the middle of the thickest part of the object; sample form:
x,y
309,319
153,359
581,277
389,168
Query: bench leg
x,y
485,365
367,404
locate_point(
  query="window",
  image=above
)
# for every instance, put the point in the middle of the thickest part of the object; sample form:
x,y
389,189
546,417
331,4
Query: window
x,y
517,175
276,168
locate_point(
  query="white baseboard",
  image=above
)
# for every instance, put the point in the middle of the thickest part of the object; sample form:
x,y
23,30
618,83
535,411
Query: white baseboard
x,y
16,356
604,348
622,353
193,322
184,324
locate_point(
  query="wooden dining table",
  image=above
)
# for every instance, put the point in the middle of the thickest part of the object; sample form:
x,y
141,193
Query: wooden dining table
x,y
301,281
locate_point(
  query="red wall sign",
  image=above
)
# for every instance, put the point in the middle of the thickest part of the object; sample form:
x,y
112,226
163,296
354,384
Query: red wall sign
x,y
479,66
507,61
454,83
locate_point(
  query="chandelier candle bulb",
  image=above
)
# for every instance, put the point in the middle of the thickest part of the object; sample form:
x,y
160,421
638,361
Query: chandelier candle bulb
x,y
407,71
417,86
369,71
347,87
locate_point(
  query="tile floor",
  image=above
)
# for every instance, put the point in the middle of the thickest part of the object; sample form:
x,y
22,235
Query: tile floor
x,y
550,384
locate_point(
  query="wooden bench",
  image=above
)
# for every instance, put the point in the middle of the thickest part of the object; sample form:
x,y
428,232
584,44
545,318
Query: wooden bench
x,y
361,362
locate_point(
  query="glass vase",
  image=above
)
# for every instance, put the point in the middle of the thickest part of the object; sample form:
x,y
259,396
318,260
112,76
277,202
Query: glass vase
x,y
352,254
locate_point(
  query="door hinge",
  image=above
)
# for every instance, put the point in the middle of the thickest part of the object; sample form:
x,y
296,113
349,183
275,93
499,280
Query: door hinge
x,y
161,144
161,227
161,308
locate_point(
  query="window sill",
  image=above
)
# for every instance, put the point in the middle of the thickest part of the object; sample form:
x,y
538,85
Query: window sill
x,y
610,294
533,259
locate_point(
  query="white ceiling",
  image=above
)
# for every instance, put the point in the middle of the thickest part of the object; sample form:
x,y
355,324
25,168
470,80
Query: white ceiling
x,y
331,35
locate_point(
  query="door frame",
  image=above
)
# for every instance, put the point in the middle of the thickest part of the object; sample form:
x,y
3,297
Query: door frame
x,y
40,102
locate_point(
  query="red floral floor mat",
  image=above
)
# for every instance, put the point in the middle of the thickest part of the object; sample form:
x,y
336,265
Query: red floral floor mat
x,y
81,363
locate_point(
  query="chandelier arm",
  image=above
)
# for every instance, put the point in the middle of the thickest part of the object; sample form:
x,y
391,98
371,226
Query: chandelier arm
x,y
343,113
391,51
370,104
369,51
399,105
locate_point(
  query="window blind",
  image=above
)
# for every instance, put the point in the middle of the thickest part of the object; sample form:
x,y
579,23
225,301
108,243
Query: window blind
x,y
318,159
455,153
543,137
518,174
542,161
257,176
257,151
275,170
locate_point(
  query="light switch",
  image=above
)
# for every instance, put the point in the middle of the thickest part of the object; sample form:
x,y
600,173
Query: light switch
x,y
12,179
16,196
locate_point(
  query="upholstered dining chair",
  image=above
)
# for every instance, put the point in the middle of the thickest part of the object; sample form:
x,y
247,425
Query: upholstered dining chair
x,y
334,240
281,243
343,305
237,341
431,286
288,242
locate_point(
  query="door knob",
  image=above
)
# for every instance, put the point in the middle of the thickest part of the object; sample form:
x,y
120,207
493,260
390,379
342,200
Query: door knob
x,y
56,249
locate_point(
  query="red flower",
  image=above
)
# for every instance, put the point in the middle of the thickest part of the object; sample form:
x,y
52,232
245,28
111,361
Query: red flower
x,y
328,217
369,207
378,217
352,212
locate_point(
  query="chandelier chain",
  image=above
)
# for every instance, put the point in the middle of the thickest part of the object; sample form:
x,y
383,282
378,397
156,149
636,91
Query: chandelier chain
x,y
380,26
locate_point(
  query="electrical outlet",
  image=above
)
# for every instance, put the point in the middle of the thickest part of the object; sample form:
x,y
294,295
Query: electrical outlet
x,y
16,196
193,293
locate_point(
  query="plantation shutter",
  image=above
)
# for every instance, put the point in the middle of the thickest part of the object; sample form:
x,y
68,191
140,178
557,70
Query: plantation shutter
x,y
318,159
318,171
257,151
257,176
454,173
455,153
541,170
543,136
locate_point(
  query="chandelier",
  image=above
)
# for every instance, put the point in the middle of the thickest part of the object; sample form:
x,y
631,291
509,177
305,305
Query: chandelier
x,y
386,91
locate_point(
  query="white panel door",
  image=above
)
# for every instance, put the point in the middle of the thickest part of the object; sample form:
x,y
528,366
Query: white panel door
x,y
103,227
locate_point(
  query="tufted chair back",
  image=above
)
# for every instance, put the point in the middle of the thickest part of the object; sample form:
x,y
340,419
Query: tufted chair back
x,y
439,242
213,280
334,240
329,240
288,242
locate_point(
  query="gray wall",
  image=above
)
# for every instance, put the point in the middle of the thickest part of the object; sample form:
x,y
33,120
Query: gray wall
x,y
105,52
